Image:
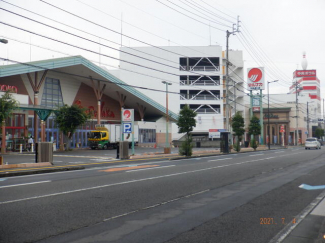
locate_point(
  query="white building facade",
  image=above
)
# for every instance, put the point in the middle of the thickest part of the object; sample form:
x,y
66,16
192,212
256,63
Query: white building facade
x,y
196,78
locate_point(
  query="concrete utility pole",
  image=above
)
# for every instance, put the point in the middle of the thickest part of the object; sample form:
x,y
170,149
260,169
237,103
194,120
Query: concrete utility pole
x,y
296,140
227,71
307,120
167,147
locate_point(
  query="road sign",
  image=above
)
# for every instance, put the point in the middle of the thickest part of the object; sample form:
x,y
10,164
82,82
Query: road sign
x,y
282,128
127,127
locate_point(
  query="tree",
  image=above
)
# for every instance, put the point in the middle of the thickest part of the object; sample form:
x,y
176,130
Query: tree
x,y
254,129
69,118
319,133
7,105
186,122
238,128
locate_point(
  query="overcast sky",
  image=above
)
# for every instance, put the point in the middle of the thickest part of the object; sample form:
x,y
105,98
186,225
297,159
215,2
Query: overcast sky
x,y
274,33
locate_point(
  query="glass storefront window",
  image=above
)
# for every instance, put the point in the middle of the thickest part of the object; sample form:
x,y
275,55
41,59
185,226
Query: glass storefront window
x,y
147,135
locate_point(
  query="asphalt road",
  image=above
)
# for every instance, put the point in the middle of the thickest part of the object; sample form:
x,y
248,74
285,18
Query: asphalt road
x,y
213,199
83,155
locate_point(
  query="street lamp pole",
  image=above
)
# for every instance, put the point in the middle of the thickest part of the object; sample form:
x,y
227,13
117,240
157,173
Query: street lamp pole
x,y
3,125
268,112
308,117
167,147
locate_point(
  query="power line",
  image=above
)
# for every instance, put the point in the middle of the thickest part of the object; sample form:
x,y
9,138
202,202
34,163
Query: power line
x,y
193,33
208,11
85,77
188,16
86,31
218,10
114,31
210,20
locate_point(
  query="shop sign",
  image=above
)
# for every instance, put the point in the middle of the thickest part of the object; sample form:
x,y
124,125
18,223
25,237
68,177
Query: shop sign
x,y
214,133
305,73
105,112
255,78
128,115
271,116
5,87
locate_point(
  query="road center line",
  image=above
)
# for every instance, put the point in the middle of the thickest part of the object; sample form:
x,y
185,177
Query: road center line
x,y
256,154
133,181
25,184
150,168
219,159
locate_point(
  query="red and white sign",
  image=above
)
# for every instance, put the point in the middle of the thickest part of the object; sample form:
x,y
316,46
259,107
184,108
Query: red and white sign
x,y
304,73
214,133
255,78
5,87
282,129
128,115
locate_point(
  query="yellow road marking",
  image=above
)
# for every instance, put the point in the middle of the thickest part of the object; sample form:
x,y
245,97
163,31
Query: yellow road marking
x,y
99,163
129,168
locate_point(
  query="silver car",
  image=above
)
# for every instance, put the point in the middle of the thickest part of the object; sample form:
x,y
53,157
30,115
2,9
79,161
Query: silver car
x,y
312,143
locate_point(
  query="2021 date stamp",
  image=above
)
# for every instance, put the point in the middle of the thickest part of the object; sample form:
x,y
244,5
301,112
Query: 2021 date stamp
x,y
271,221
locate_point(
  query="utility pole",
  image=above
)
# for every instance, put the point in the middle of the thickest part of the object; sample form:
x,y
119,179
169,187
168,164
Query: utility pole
x,y
323,115
307,120
296,84
227,71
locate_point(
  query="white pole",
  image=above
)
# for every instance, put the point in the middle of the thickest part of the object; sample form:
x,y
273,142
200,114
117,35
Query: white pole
x,y
32,148
20,148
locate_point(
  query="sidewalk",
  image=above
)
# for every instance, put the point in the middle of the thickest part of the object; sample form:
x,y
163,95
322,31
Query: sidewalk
x,y
310,225
37,168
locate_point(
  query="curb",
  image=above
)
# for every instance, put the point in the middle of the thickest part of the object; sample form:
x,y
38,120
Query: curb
x,y
209,155
39,171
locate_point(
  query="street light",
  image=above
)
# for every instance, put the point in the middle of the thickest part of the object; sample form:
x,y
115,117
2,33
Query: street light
x,y
268,111
4,41
308,118
167,147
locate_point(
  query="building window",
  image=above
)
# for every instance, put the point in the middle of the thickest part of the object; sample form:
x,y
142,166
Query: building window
x,y
206,64
196,80
147,135
52,95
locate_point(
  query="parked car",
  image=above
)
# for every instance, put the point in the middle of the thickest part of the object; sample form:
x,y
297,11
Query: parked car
x,y
312,143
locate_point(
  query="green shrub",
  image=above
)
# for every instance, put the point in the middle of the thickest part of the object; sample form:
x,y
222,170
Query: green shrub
x,y
237,146
253,144
186,148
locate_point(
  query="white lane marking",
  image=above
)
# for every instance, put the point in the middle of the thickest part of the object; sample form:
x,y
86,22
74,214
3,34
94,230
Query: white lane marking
x,y
279,152
3,179
128,182
24,184
300,217
149,168
256,154
218,159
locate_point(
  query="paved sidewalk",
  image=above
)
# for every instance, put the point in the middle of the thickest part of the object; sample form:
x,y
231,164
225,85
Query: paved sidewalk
x,y
309,226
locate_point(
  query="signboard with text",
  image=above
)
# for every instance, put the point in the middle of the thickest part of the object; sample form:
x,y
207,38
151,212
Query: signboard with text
x,y
304,73
255,78
128,115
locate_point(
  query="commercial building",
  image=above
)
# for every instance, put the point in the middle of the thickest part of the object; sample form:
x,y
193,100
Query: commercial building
x,y
48,84
196,75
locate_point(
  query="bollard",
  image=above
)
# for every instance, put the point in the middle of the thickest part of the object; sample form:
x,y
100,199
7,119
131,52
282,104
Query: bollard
x,y
118,151
32,148
20,148
54,147
1,160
